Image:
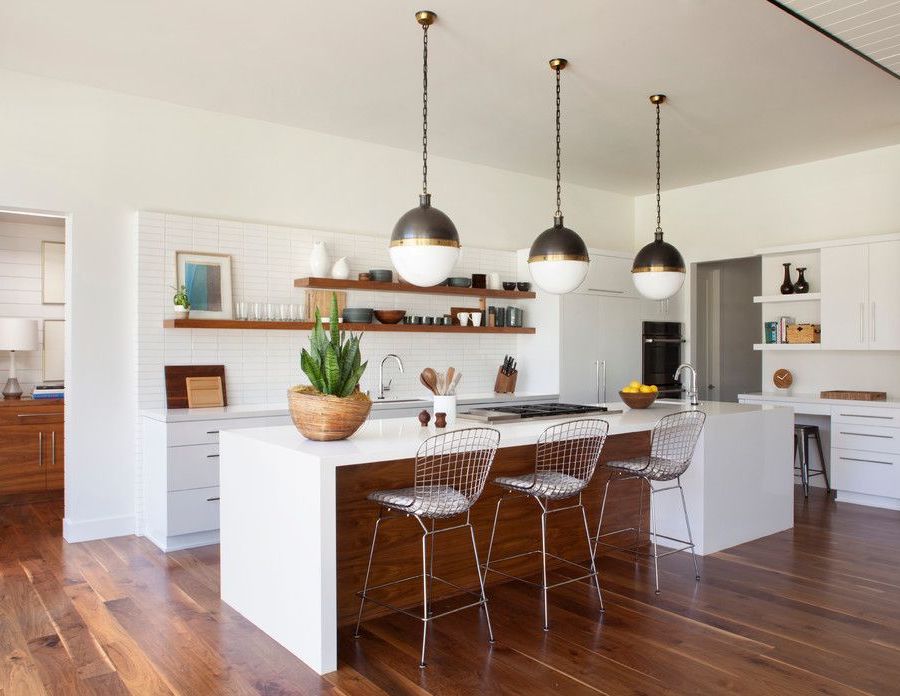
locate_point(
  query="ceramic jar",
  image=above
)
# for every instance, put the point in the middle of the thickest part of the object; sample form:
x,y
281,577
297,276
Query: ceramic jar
x,y
319,261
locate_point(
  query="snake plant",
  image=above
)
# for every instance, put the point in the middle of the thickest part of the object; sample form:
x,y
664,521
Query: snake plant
x,y
333,364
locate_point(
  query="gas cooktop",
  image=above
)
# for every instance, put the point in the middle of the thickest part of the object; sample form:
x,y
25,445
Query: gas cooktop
x,y
498,414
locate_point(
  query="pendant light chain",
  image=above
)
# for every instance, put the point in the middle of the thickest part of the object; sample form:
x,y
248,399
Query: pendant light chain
x,y
658,203
425,109
558,185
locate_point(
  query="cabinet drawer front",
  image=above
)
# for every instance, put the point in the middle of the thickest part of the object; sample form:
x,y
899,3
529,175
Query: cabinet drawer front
x,y
193,466
205,432
196,510
866,415
865,437
866,472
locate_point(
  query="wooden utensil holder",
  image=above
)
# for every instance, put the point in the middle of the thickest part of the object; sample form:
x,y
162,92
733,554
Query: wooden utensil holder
x,y
505,384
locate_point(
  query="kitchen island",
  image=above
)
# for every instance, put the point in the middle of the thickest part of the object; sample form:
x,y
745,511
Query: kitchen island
x,y
296,525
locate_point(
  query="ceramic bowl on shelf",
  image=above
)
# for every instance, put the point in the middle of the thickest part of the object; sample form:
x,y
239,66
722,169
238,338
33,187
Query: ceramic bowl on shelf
x,y
639,400
523,286
459,282
509,285
381,275
358,315
390,316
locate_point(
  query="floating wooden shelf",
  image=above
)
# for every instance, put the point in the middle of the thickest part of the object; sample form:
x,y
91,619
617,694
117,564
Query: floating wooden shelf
x,y
308,325
804,297
787,346
374,285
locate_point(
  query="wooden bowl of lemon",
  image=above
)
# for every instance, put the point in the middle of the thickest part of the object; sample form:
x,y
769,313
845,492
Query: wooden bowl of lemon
x,y
637,395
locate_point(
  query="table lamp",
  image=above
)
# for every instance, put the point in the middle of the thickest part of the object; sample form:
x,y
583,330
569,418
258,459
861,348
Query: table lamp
x,y
16,334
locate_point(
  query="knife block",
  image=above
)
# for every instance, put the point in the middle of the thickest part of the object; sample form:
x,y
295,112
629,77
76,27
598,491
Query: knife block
x,y
505,384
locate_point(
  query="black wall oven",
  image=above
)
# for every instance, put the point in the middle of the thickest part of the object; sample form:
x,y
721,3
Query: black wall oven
x,y
661,343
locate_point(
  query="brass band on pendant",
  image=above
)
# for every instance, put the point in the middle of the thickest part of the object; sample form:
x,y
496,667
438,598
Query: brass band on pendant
x,y
658,269
424,241
559,257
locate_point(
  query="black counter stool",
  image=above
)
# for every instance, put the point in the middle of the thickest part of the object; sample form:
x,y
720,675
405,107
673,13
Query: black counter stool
x,y
802,433
565,461
672,444
450,473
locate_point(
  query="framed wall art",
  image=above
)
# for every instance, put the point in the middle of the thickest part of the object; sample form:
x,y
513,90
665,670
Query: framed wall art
x,y
207,279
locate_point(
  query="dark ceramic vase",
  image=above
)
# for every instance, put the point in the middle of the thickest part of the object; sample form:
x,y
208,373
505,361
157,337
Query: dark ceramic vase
x,y
787,287
801,286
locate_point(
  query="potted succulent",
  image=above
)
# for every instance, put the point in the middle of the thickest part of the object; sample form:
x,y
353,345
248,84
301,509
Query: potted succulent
x,y
332,407
181,302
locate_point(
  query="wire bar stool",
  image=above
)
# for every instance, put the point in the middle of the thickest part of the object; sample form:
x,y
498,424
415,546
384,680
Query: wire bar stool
x,y
565,461
672,445
450,473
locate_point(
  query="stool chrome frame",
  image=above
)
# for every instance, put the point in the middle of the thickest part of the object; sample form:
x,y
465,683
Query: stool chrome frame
x,y
450,473
802,433
565,460
672,444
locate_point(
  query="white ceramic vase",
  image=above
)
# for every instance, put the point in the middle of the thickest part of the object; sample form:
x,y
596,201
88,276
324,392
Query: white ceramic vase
x,y
341,269
319,261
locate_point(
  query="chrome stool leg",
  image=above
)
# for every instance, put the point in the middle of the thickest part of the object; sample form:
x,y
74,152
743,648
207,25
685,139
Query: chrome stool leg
x,y
687,523
487,613
587,536
640,527
822,462
362,599
426,580
600,522
487,562
653,534
544,565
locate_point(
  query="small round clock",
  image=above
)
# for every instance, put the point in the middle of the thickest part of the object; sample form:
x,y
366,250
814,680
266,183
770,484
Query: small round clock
x,y
783,379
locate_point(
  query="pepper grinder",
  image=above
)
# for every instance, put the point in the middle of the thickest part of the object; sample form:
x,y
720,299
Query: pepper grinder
x,y
424,417
440,420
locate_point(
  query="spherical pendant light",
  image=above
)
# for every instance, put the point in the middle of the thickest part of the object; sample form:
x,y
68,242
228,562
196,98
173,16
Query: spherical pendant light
x,y
658,270
558,260
425,244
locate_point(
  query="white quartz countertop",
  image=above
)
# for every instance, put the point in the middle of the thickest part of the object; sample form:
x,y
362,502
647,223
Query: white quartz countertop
x,y
791,398
399,438
178,415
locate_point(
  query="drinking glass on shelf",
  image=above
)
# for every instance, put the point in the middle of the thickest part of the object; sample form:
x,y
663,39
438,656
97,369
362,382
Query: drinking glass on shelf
x,y
240,311
270,312
256,311
296,313
284,312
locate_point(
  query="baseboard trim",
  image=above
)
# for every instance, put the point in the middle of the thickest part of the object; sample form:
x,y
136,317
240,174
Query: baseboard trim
x,y
99,528
870,500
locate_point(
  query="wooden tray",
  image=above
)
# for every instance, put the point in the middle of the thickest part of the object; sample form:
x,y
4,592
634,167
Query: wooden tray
x,y
854,395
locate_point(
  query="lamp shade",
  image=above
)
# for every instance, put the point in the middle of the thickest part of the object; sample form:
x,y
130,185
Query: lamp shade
x,y
424,245
658,271
558,259
18,334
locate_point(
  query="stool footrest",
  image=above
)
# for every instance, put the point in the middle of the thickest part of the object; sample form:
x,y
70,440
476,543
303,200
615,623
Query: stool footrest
x,y
492,569
366,596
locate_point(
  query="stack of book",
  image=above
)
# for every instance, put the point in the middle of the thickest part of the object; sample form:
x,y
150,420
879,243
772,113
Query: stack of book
x,y
48,391
776,331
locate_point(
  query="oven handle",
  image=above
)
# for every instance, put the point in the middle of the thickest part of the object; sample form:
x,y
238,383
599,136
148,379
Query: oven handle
x,y
664,340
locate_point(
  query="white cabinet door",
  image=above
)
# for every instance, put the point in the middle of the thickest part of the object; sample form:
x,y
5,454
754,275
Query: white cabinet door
x,y
884,296
845,297
578,348
608,275
619,343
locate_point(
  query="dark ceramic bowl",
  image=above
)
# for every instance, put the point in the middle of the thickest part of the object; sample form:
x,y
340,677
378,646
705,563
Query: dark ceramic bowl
x,y
508,285
523,286
358,315
459,282
381,275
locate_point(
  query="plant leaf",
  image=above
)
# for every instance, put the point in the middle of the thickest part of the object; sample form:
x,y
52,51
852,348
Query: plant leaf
x,y
350,383
332,371
335,326
312,370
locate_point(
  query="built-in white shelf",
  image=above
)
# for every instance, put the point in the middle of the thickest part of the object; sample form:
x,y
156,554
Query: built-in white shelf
x,y
805,297
787,346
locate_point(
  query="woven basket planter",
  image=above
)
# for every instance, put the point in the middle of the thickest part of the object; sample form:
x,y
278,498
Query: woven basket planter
x,y
323,417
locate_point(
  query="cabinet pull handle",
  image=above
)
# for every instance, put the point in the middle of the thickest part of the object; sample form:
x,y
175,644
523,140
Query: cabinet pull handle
x,y
870,461
212,456
883,437
872,321
52,448
212,432
211,500
39,415
40,449
864,415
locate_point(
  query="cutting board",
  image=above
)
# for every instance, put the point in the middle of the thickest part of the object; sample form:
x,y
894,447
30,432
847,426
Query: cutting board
x,y
322,300
176,382
854,395
204,392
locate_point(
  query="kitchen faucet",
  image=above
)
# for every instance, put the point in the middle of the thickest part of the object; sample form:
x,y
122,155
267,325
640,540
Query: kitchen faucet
x,y
693,394
381,387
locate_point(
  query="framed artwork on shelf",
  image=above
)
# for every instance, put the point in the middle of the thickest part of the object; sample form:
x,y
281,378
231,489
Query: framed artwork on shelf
x,y
207,279
53,273
54,353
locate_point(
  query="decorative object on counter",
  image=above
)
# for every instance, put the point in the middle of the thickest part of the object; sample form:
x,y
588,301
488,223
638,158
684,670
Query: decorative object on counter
x,y
390,316
476,318
801,287
16,334
523,286
558,260
509,285
493,281
207,282
341,268
424,417
638,399
204,392
440,419
424,244
804,333
319,260
479,280
176,382
333,407
658,270
381,275
854,395
782,378
787,287
358,315
459,282
320,301
181,302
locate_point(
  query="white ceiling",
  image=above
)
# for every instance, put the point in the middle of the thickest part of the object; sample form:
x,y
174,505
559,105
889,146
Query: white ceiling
x,y
750,87
870,26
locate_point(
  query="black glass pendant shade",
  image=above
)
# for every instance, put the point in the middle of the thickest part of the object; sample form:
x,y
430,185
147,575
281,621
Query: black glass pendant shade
x,y
425,225
658,256
558,243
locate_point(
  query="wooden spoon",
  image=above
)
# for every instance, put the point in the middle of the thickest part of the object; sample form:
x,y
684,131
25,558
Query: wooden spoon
x,y
429,379
452,388
450,372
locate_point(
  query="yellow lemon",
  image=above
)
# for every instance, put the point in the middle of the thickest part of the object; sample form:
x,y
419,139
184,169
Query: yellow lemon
x,y
635,385
654,388
645,389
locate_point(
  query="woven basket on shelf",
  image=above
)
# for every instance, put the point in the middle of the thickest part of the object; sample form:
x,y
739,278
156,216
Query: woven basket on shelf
x,y
804,333
323,417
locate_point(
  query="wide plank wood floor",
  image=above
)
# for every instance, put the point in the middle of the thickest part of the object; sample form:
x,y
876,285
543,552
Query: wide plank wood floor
x,y
812,611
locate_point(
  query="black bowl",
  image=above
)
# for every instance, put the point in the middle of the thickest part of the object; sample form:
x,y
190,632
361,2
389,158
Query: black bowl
x,y
381,275
459,282
507,285
358,315
523,286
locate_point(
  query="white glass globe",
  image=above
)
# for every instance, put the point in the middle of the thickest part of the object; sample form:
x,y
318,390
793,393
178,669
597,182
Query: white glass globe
x,y
558,277
424,264
658,285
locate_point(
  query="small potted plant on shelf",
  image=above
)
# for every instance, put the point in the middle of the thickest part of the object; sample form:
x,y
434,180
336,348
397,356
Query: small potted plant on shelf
x,y
181,302
332,407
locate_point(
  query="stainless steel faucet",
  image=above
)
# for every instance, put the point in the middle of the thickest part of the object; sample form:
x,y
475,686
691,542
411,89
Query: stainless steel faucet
x,y
693,394
381,386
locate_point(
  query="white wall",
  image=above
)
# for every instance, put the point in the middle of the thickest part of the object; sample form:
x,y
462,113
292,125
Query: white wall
x,y
20,287
851,196
99,157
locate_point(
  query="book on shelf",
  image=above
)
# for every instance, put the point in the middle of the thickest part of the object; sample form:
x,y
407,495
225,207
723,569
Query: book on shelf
x,y
776,331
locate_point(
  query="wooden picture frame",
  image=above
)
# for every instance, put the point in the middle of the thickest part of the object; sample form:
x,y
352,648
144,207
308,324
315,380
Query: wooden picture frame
x,y
53,273
207,279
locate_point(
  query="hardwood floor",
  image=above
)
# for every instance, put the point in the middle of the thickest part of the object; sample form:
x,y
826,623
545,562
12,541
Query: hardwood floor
x,y
813,610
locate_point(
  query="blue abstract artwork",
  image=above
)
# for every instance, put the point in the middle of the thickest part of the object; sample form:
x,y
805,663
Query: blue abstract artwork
x,y
203,283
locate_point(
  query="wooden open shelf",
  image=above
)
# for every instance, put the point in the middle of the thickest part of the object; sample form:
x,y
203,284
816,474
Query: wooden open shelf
x,y
308,325
374,285
801,297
